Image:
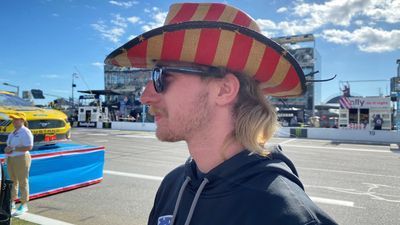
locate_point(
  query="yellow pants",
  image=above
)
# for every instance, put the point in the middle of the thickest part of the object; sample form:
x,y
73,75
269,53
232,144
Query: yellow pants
x,y
18,170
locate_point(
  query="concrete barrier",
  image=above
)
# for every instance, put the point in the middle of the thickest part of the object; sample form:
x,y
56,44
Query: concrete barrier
x,y
133,126
364,136
368,136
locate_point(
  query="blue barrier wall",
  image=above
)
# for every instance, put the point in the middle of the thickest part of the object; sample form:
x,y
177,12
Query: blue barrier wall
x,y
64,167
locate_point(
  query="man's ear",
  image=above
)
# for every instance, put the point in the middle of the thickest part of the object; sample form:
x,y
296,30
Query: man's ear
x,y
228,89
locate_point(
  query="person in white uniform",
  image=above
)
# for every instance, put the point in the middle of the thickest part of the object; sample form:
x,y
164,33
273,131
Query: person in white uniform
x,y
19,143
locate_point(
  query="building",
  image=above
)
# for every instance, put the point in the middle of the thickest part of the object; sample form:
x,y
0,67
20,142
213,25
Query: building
x,y
127,82
310,61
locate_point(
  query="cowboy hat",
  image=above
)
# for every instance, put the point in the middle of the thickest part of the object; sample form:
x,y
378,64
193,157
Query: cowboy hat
x,y
18,115
219,35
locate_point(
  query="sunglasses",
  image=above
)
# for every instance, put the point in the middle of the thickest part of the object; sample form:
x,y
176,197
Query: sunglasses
x,y
159,74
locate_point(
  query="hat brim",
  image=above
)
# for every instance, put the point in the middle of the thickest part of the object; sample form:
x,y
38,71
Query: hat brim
x,y
16,117
219,44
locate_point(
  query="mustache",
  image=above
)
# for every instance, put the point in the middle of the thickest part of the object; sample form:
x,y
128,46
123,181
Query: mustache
x,y
154,110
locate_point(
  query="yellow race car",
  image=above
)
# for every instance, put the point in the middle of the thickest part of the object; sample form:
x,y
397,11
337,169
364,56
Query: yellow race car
x,y
48,126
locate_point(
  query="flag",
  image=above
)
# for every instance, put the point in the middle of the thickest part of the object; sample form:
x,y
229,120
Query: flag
x,y
345,102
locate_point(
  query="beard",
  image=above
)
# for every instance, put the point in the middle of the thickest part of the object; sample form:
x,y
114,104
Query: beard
x,y
185,123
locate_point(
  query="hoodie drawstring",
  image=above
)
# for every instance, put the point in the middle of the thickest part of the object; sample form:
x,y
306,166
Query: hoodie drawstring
x,y
195,200
194,203
178,201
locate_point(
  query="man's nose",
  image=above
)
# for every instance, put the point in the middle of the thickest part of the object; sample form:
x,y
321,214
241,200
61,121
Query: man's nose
x,y
149,94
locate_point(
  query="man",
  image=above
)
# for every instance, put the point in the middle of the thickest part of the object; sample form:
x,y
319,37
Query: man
x,y
211,67
123,107
378,122
19,143
293,121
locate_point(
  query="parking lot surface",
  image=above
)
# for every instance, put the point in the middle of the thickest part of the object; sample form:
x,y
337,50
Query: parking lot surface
x,y
356,184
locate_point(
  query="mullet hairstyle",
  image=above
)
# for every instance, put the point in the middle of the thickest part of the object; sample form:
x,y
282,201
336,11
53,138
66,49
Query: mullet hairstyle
x,y
255,117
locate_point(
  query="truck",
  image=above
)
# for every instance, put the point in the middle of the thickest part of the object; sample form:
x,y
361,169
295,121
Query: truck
x,y
91,111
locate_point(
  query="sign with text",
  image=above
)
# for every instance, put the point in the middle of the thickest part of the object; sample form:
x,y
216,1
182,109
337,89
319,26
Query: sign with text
x,y
87,124
368,102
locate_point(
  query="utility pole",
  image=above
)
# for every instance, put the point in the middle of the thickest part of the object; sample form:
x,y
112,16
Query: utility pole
x,y
398,96
74,75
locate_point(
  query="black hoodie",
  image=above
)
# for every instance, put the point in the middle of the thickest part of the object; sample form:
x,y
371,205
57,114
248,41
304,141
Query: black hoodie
x,y
247,189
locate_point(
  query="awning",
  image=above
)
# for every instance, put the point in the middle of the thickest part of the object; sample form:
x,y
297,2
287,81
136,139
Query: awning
x,y
100,92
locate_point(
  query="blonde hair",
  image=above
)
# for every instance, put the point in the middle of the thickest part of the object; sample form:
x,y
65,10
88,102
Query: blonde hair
x,y
255,117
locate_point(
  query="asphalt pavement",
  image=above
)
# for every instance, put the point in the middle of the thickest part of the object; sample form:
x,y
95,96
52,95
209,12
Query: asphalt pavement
x,y
356,184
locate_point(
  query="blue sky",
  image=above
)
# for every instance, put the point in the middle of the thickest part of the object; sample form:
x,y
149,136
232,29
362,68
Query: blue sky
x,y
43,42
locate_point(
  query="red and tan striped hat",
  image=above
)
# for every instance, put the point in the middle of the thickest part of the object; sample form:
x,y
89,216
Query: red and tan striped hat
x,y
219,35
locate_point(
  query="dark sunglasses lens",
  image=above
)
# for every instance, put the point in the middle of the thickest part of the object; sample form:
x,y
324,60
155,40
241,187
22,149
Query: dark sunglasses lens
x,y
158,80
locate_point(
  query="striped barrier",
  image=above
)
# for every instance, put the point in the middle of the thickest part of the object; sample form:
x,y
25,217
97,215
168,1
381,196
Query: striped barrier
x,y
64,167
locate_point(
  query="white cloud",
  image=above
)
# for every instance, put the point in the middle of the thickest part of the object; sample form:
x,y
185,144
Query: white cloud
x,y
367,39
119,21
112,34
157,16
133,19
55,14
386,10
359,22
266,24
281,10
337,12
333,19
127,4
100,65
116,27
299,26
50,76
270,28
342,13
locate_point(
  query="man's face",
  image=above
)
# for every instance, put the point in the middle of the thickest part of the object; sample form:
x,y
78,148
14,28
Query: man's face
x,y
182,110
18,122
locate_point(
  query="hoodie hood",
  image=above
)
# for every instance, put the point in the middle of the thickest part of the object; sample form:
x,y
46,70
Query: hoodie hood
x,y
239,169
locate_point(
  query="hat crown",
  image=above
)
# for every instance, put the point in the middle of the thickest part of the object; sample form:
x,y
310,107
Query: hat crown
x,y
215,12
218,35
18,115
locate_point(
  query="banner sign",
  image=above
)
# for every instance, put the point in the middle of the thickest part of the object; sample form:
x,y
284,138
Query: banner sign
x,y
367,103
87,124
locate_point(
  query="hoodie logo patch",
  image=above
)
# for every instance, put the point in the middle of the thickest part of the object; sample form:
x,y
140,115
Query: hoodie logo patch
x,y
164,220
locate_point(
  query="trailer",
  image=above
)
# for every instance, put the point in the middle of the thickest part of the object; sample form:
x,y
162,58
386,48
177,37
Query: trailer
x,y
91,111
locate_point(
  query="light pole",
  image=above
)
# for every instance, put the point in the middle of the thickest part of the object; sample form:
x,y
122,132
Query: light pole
x,y
398,97
74,75
11,85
